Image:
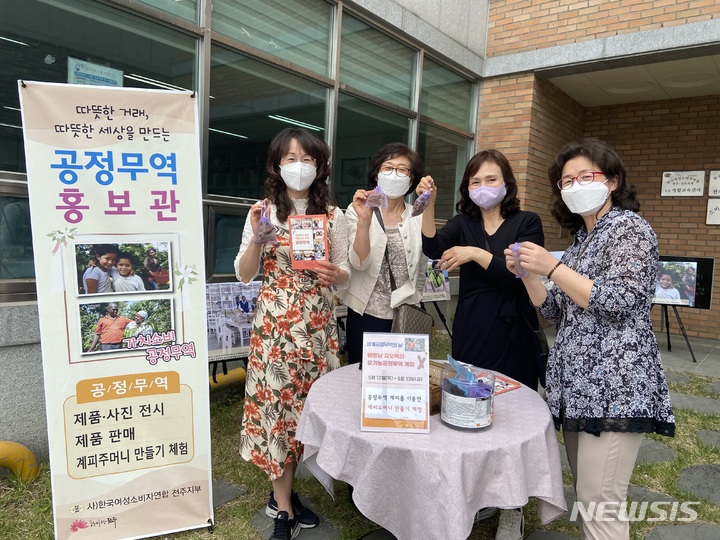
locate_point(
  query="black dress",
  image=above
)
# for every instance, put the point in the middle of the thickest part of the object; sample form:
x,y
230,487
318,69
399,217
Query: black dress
x,y
493,319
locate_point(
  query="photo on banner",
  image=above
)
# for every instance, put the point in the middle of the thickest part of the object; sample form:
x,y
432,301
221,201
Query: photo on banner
x,y
120,266
117,229
122,326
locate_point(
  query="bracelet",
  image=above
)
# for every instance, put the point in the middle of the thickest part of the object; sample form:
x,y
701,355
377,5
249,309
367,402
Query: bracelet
x,y
553,269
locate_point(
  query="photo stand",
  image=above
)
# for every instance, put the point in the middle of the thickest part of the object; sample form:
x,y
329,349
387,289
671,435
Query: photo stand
x,y
664,318
441,316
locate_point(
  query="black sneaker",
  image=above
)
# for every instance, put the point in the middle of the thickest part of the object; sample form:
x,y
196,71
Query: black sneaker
x,y
285,528
306,518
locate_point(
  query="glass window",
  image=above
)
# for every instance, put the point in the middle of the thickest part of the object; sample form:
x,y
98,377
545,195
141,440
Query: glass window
x,y
375,63
227,226
251,102
16,254
445,155
79,41
295,30
362,128
186,9
446,96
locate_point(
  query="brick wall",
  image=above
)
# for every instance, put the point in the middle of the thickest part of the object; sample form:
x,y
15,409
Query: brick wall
x,y
529,120
525,25
671,135
505,117
556,120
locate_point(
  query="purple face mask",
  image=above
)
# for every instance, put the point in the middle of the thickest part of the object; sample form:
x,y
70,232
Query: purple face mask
x,y
487,197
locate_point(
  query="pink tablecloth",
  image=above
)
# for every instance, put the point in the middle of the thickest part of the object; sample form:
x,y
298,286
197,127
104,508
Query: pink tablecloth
x,y
431,485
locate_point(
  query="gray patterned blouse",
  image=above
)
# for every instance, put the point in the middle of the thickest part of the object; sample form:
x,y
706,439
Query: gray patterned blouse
x,y
604,370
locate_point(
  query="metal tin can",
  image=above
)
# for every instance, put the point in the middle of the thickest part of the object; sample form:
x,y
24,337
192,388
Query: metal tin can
x,y
467,404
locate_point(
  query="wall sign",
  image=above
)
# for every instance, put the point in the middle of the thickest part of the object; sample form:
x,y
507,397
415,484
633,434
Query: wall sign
x,y
683,184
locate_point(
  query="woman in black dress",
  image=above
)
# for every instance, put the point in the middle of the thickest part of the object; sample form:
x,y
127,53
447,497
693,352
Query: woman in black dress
x,y
494,320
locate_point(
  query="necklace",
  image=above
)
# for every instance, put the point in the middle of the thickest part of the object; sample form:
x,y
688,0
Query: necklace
x,y
584,247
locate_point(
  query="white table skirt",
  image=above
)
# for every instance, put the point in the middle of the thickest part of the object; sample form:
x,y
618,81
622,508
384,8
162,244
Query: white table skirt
x,y
431,485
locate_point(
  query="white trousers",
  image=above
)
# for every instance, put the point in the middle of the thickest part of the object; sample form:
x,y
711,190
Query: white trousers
x,y
601,468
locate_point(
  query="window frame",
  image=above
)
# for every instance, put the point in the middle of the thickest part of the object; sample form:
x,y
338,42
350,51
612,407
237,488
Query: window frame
x,y
14,184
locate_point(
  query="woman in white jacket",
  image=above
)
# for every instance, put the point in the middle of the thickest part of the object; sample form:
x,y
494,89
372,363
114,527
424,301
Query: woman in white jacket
x,y
369,296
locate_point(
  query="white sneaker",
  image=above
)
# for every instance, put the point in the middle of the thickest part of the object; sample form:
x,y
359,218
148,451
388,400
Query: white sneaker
x,y
511,525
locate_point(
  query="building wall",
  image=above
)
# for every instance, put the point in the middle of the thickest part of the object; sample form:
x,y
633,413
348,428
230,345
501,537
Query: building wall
x,y
460,22
528,36
504,123
22,394
520,25
671,135
529,120
556,119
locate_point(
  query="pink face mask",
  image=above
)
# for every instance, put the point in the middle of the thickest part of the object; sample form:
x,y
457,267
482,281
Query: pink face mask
x,y
487,197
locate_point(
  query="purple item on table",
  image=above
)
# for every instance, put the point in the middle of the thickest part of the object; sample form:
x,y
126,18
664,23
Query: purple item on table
x,y
467,383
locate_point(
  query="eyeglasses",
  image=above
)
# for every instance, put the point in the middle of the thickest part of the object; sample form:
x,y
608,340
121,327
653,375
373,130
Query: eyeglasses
x,y
402,171
583,179
307,160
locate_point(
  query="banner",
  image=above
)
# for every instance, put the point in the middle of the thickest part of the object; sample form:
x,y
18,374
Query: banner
x,y
115,200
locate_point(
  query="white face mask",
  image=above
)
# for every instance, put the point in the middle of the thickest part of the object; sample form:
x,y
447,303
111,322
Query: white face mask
x,y
585,200
298,176
394,185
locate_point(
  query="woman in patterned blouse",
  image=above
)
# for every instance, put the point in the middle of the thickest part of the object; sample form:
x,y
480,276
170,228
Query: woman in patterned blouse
x,y
605,382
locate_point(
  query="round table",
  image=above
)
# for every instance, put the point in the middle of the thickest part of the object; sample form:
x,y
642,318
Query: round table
x,y
430,485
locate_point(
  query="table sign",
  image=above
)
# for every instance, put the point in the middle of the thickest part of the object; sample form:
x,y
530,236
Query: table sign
x,y
308,240
395,383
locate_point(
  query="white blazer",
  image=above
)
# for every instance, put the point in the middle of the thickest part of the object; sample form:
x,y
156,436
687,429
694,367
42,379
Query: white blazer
x,y
365,273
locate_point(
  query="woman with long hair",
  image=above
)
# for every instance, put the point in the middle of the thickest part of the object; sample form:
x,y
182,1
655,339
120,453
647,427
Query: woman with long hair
x,y
294,337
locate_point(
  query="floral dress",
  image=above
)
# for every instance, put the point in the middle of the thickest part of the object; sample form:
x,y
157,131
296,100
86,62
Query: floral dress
x,y
294,340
